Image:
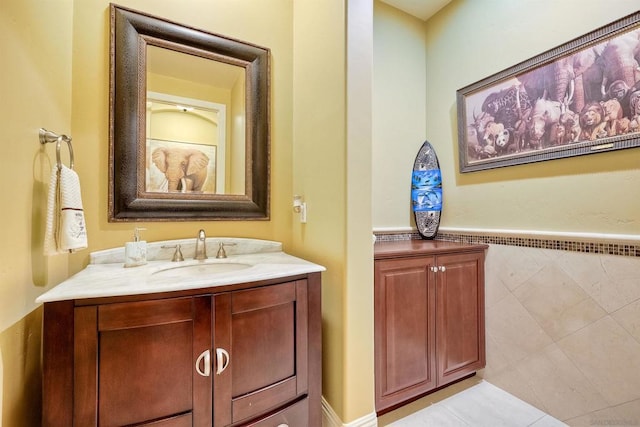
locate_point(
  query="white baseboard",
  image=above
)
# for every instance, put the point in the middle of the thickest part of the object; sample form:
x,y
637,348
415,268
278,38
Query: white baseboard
x,y
331,419
329,416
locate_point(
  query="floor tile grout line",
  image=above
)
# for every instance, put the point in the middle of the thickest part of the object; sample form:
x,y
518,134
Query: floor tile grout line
x,y
423,414
462,420
538,420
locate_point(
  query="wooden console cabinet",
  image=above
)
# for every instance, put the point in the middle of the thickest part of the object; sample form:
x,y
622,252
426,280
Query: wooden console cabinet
x,y
238,355
429,317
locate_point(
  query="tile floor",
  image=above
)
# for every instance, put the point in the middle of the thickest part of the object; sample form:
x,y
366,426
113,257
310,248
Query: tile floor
x,y
480,405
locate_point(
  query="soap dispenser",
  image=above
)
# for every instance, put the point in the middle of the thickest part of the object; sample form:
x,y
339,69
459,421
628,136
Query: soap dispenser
x,y
135,253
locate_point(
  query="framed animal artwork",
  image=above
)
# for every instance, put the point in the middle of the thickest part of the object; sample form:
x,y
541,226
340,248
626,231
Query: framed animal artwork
x,y
579,98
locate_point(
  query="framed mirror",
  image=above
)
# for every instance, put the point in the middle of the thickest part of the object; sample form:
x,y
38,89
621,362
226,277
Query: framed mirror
x,y
189,123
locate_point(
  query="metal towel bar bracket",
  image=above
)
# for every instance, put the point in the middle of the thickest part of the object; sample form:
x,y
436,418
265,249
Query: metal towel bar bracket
x,y
47,136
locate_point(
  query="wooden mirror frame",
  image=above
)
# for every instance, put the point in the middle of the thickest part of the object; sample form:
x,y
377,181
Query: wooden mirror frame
x,y
131,31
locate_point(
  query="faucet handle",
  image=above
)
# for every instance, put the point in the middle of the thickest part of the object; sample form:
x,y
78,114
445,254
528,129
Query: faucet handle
x,y
221,252
177,255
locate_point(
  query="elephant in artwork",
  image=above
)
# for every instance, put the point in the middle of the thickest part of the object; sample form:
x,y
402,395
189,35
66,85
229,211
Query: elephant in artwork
x,y
619,57
554,81
185,169
563,86
588,73
575,79
538,81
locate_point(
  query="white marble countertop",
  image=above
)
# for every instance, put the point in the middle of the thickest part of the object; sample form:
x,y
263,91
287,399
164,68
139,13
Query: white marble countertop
x,y
106,275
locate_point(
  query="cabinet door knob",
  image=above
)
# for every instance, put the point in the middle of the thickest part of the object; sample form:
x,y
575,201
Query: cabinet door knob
x,y
434,269
206,355
222,360
283,425
443,268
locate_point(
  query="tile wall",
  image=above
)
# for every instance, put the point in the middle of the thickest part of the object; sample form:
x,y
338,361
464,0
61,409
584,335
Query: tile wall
x,y
563,326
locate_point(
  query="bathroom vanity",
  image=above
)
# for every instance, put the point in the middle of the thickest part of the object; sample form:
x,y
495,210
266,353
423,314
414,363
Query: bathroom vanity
x,y
227,342
428,315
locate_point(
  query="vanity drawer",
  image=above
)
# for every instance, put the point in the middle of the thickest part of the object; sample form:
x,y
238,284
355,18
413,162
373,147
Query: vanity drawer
x,y
295,415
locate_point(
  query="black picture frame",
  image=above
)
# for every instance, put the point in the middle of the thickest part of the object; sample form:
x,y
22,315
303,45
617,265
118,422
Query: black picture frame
x,y
131,31
545,108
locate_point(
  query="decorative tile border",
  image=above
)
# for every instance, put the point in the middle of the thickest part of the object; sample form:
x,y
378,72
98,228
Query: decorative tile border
x,y
622,249
394,237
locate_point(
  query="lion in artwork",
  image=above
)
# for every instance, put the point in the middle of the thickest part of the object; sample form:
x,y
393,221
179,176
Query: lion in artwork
x,y
591,122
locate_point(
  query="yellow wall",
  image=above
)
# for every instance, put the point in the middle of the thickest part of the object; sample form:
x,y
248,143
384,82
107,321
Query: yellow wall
x,y
595,193
332,129
35,41
399,111
358,325
318,166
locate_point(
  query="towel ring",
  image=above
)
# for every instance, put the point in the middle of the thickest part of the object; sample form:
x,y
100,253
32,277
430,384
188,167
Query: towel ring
x,y
48,136
68,140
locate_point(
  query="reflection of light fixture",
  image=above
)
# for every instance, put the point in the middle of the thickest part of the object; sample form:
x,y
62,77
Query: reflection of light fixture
x,y
183,108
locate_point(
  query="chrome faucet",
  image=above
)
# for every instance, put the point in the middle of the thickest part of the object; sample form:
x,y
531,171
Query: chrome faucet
x,y
201,246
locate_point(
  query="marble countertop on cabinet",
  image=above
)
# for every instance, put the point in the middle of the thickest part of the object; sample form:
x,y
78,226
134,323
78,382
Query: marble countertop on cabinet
x,y
106,275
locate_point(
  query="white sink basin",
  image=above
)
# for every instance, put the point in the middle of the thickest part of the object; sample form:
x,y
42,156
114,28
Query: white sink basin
x,y
202,269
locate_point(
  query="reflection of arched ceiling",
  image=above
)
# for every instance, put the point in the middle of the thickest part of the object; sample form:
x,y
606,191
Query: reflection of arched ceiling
x,y
156,107
193,68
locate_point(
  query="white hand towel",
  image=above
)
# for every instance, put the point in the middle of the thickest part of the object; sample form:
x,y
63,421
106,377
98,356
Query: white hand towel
x,y
66,230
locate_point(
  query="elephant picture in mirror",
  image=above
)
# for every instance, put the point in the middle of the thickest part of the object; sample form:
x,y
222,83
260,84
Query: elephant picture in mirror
x,y
180,168
189,128
172,120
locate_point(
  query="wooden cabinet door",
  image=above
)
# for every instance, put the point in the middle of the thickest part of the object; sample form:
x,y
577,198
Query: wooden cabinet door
x,y
261,347
460,315
296,415
404,317
136,363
